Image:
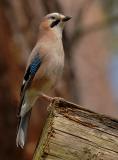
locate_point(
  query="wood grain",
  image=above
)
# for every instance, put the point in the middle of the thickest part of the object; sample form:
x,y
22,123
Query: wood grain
x,y
72,132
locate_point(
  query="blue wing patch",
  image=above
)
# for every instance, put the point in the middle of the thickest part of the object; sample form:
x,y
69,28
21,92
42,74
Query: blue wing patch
x,y
31,71
35,65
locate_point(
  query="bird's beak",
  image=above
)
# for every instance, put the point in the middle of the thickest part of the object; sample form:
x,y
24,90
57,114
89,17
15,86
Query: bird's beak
x,y
66,18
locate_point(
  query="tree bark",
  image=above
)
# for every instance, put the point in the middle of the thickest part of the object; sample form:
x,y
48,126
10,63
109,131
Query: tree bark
x,y
74,133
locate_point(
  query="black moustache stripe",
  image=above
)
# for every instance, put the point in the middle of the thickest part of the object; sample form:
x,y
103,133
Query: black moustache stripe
x,y
54,23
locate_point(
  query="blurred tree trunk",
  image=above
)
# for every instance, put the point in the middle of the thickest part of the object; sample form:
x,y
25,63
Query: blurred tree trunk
x,y
8,91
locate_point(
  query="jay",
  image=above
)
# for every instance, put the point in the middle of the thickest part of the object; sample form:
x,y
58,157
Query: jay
x,y
44,67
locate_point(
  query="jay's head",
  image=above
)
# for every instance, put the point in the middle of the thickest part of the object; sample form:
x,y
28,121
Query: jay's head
x,y
54,21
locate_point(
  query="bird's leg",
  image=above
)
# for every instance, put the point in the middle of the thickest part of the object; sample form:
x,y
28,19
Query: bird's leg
x,y
47,98
50,100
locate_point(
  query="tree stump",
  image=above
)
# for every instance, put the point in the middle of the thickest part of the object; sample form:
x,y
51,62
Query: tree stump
x,y
72,132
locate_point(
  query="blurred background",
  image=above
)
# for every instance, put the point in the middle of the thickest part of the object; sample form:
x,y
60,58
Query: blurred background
x,y
91,67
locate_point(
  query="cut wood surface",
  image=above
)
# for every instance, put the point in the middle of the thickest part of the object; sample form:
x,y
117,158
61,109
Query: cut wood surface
x,y
72,132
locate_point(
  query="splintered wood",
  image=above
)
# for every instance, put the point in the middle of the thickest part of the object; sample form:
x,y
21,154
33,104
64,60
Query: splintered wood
x,y
74,133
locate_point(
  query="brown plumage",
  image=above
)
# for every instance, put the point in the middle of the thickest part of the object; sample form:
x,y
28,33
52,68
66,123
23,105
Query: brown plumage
x,y
44,67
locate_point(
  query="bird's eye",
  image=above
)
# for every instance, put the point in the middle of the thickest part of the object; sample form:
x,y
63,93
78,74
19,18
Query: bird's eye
x,y
53,17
